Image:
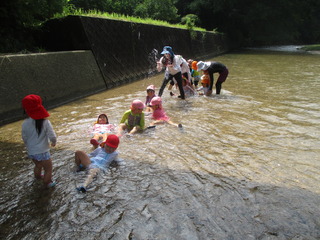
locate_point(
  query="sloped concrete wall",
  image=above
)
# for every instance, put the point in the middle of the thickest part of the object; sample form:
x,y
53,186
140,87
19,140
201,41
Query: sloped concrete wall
x,y
57,77
90,55
124,50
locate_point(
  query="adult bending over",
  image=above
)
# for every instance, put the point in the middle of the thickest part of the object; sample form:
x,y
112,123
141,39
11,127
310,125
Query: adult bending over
x,y
214,67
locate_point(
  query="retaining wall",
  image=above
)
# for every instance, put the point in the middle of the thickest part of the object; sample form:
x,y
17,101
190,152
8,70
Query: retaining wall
x,y
112,53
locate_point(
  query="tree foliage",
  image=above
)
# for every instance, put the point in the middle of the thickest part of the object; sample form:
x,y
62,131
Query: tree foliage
x,y
245,22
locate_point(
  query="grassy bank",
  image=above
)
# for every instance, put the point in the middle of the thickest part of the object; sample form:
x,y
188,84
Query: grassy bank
x,y
314,47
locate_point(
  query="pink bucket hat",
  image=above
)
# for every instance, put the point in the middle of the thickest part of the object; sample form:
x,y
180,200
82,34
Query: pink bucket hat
x,y
32,104
156,101
151,87
137,104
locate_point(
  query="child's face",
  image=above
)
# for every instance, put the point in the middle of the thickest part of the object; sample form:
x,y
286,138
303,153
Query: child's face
x,y
150,92
155,107
136,110
109,149
102,120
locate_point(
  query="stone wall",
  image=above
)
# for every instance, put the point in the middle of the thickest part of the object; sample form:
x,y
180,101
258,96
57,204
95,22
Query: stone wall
x,y
90,55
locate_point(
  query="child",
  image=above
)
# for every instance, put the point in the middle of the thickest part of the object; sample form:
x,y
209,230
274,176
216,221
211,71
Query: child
x,y
205,84
150,94
99,159
194,73
159,115
133,119
188,90
101,130
37,132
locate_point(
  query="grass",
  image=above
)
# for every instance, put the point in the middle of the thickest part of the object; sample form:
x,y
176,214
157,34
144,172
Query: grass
x,y
115,16
314,47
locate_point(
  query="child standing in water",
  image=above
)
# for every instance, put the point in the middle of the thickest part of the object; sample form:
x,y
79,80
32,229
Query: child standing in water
x,y
133,119
101,130
159,116
37,132
99,159
150,94
194,73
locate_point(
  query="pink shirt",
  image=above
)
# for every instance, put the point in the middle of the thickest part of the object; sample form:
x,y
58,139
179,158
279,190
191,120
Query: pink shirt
x,y
160,114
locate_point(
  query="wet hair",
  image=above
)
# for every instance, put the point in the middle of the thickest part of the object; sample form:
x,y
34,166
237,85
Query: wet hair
x,y
39,124
103,115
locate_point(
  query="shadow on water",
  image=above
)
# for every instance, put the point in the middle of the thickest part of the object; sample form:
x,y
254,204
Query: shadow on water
x,y
245,165
149,200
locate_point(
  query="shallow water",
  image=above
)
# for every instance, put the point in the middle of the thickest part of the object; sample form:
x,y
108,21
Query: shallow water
x,y
245,166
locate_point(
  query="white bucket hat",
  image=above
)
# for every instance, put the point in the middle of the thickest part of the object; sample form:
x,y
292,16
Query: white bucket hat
x,y
203,65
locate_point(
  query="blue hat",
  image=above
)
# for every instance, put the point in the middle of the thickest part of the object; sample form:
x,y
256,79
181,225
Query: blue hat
x,y
167,49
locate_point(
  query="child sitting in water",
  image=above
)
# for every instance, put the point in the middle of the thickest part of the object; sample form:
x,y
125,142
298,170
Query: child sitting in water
x,y
133,119
159,115
187,88
150,94
101,130
205,84
99,159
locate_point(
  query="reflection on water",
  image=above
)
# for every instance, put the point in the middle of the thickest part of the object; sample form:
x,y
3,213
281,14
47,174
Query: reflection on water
x,y
245,166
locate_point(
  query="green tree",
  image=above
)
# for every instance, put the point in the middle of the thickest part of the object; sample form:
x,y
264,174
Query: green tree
x,y
157,9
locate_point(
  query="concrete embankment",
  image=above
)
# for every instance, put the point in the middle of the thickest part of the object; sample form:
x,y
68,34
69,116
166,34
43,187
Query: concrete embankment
x,y
88,55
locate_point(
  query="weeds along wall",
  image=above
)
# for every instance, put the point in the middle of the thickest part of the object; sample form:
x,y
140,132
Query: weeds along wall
x,y
87,55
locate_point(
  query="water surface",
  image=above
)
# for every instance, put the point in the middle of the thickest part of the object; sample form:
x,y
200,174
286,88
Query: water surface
x,y
245,166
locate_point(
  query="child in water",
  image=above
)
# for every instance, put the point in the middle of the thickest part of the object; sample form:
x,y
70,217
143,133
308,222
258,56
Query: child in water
x,y
187,88
159,116
150,94
205,84
133,119
194,73
101,130
37,133
99,159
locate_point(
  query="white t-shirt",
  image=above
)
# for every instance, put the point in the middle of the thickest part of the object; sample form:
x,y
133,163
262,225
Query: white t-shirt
x,y
35,143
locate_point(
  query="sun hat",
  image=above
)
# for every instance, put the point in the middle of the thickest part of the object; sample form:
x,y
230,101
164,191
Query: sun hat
x,y
151,87
32,104
112,141
167,49
137,104
205,79
194,65
156,101
203,65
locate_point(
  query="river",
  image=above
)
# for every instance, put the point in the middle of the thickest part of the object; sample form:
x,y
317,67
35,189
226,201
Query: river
x,y
245,166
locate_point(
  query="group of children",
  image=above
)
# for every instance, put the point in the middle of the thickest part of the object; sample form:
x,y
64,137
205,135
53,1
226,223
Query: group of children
x,y
38,133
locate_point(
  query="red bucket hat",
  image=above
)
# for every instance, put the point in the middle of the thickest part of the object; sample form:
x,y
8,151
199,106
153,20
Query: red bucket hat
x,y
112,141
32,104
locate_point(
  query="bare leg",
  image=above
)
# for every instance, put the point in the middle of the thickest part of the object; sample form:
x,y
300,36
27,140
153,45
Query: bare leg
x,y
47,166
37,169
81,157
135,130
92,174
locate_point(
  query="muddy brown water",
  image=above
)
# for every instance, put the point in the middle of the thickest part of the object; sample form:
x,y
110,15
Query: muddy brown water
x,y
245,166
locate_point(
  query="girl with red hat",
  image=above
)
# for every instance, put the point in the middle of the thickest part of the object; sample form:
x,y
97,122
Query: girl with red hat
x,y
37,133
